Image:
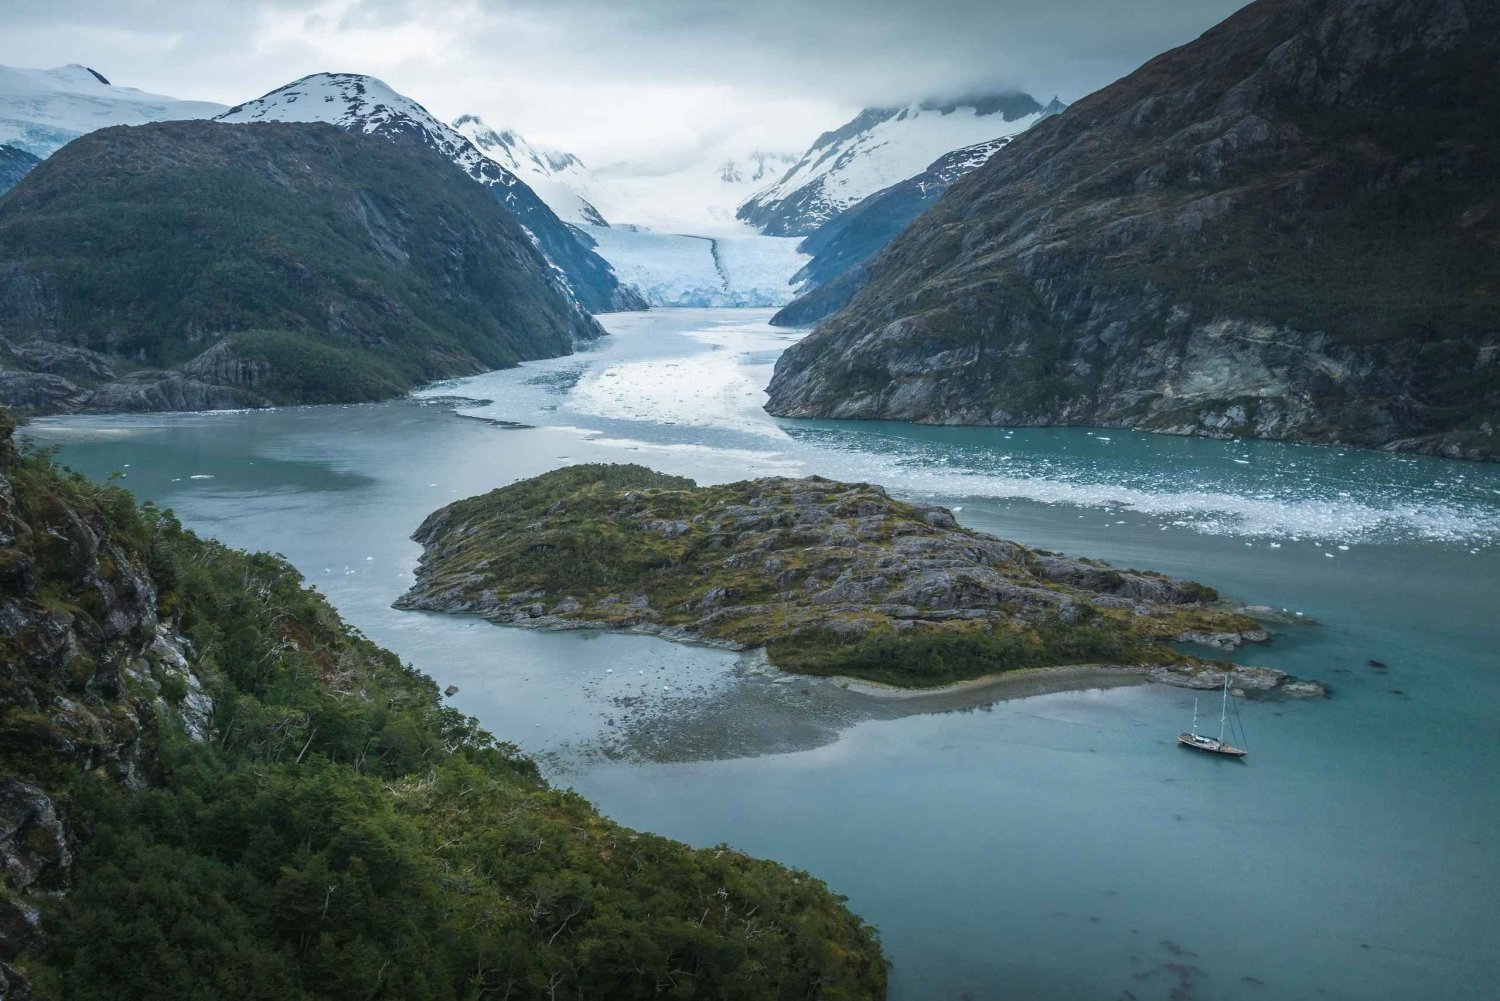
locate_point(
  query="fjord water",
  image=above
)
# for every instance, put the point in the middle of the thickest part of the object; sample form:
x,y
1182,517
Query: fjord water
x,y
1051,846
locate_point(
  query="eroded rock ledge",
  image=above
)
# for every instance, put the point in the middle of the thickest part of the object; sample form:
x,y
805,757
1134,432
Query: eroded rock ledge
x,y
830,578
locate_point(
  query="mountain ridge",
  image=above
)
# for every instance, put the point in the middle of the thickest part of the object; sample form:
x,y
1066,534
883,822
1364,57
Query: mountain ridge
x,y
368,106
875,149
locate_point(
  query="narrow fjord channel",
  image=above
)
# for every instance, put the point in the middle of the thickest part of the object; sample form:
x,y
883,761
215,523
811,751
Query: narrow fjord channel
x,y
1057,845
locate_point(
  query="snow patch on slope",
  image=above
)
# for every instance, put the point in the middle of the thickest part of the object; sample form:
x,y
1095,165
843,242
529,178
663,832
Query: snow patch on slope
x,y
43,110
559,179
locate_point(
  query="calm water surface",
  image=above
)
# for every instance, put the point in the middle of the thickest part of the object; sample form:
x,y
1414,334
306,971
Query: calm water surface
x,y
1053,846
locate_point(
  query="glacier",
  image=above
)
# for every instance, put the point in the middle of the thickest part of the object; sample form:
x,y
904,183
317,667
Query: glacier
x,y
42,110
679,269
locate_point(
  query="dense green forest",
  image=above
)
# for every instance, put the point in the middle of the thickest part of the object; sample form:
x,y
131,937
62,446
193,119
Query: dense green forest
x,y
251,800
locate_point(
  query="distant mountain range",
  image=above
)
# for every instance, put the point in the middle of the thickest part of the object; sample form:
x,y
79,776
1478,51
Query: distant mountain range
x,y
1284,229
367,106
43,110
880,147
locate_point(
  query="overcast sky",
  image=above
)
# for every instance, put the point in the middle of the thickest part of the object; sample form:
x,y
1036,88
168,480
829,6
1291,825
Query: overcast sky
x,y
616,80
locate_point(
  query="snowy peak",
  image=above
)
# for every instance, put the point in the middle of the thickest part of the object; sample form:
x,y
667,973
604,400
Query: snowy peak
x,y
559,179
368,106
756,167
880,147
44,110
354,102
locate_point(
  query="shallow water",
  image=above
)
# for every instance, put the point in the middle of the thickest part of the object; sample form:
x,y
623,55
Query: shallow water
x,y
1057,846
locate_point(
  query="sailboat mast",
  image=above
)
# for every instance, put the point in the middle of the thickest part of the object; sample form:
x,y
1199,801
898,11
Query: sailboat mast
x,y
1224,710
1195,715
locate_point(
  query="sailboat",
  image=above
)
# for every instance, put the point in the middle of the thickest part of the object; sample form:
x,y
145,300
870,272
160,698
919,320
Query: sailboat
x,y
1212,745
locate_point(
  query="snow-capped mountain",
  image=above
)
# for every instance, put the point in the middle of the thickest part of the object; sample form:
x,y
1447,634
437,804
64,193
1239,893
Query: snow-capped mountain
x,y
559,179
365,105
880,147
44,110
841,246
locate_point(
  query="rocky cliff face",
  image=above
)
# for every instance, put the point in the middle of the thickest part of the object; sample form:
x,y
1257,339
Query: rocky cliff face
x,y
1284,229
87,665
196,265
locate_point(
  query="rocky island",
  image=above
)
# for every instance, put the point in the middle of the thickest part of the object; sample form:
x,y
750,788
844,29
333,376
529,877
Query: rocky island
x,y
829,578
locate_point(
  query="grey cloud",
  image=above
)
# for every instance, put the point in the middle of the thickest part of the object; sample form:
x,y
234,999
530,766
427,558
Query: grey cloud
x,y
604,73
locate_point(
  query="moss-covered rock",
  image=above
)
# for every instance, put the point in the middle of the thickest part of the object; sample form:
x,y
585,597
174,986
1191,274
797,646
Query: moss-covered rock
x,y
831,578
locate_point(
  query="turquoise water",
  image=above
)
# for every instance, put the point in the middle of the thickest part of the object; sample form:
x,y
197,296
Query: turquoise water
x,y
1056,846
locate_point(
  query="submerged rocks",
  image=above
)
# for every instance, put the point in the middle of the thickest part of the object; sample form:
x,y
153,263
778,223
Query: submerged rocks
x,y
1242,680
830,577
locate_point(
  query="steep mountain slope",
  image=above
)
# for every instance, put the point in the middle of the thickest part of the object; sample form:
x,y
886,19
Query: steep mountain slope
x,y
876,149
840,246
283,263
559,179
365,105
1287,228
14,165
212,787
43,110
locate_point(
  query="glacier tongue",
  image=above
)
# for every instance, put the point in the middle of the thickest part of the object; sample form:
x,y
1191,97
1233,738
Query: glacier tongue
x,y
672,269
